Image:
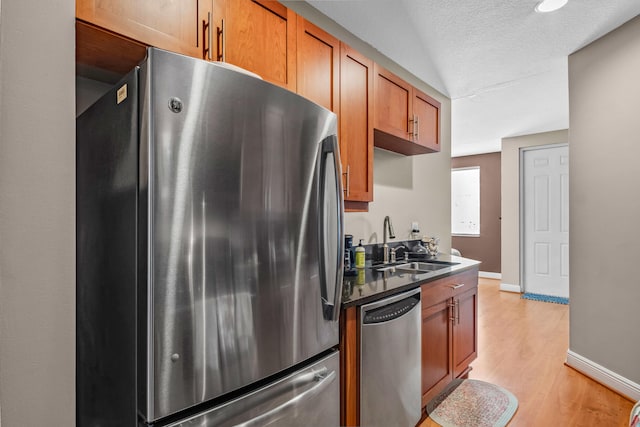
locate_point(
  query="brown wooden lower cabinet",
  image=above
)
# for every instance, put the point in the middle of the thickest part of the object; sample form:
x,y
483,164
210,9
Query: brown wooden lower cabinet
x,y
349,368
449,340
465,337
437,332
449,330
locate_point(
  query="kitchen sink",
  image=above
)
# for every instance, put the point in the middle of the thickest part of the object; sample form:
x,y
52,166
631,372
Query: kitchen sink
x,y
415,267
383,267
437,261
420,267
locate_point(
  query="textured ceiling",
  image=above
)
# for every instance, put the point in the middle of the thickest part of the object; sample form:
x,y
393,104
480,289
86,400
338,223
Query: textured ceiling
x,y
503,65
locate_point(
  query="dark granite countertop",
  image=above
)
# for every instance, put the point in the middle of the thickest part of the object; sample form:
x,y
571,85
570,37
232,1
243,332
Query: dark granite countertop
x,y
370,285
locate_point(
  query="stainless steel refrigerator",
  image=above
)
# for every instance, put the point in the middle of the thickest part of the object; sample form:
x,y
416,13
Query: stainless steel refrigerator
x,y
209,252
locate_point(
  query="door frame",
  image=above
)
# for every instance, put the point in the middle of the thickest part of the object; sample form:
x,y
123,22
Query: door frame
x,y
521,212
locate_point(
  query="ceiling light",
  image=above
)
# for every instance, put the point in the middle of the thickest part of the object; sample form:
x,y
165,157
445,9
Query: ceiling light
x,y
550,5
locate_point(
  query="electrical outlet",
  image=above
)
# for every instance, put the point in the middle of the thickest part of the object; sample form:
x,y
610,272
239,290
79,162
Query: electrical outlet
x,y
414,227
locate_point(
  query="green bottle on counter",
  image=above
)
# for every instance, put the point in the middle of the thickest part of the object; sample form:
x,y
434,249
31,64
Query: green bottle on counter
x,y
360,255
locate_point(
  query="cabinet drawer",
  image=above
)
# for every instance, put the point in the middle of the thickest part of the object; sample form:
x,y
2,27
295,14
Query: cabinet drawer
x,y
447,287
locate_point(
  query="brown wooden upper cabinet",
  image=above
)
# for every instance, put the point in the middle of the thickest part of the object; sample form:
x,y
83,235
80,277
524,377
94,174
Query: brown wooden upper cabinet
x,y
426,120
260,36
340,79
318,65
392,104
356,127
176,26
407,120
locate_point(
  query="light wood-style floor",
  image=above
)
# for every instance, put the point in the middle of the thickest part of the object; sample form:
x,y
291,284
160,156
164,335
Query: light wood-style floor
x,y
522,346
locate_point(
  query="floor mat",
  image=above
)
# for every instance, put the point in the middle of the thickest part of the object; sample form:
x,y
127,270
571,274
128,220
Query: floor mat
x,y
545,298
475,403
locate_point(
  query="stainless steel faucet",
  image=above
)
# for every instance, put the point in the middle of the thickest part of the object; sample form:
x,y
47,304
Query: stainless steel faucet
x,y
385,248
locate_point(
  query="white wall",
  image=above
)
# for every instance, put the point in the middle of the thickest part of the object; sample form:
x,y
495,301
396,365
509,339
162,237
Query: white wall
x,y
510,182
414,188
604,99
37,213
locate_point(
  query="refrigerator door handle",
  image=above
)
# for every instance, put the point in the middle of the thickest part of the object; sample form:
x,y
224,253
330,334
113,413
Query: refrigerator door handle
x,y
323,380
331,209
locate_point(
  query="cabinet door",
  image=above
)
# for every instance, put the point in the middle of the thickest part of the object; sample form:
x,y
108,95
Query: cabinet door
x,y
437,369
174,26
465,341
356,128
260,36
426,120
318,65
393,104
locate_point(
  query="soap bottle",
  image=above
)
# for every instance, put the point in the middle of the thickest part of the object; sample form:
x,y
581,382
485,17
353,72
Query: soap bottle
x,y
360,255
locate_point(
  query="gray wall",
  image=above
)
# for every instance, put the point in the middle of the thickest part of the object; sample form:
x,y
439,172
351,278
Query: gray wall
x,y
486,247
415,188
604,99
37,213
510,179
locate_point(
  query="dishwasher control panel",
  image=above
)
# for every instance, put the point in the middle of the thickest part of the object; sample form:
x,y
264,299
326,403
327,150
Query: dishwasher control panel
x,y
391,311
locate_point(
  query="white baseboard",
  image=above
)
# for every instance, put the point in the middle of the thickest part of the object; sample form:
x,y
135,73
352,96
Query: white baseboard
x,y
489,275
510,288
604,376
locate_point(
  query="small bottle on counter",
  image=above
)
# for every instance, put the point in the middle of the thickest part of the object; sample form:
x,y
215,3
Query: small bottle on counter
x,y
360,255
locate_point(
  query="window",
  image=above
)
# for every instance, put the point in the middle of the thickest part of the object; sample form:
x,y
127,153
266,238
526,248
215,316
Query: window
x,y
465,201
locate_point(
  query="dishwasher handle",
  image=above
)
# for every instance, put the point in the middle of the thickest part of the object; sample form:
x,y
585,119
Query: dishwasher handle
x,y
390,308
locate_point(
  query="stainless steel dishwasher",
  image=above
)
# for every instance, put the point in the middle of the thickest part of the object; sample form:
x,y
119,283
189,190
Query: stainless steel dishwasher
x,y
390,361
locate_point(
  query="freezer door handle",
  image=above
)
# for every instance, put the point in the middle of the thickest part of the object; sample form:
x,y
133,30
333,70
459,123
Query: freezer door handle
x,y
331,233
323,379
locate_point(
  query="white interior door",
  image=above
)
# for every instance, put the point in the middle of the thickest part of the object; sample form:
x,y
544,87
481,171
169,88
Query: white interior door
x,y
546,221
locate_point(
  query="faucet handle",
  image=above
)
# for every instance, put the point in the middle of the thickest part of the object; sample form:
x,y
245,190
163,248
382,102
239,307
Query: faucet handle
x,y
401,250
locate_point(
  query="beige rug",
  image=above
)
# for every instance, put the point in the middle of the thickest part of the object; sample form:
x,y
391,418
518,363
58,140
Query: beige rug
x,y
466,403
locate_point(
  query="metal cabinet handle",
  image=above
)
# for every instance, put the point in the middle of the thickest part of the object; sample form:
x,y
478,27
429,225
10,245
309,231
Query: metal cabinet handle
x,y
206,36
412,124
417,124
221,42
452,315
456,286
348,180
210,36
457,310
